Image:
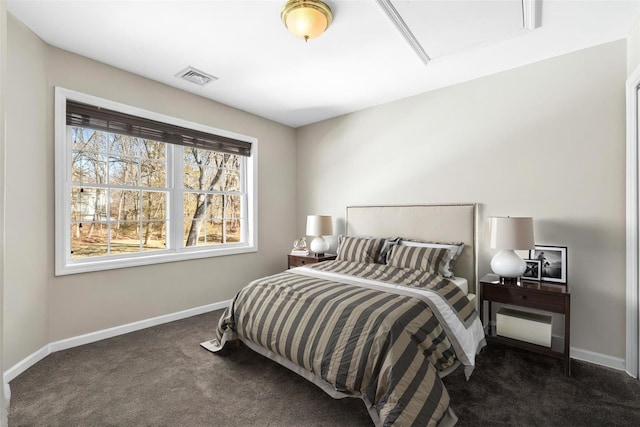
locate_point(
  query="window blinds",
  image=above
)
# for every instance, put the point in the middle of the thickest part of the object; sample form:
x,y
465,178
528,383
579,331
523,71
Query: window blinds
x,y
90,116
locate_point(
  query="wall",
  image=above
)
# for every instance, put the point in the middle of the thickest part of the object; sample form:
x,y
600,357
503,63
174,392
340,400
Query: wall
x,y
3,87
28,192
41,308
545,140
633,48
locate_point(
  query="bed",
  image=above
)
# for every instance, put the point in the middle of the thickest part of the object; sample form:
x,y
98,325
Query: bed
x,y
384,322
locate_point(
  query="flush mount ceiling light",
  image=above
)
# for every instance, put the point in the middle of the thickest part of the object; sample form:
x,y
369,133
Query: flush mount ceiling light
x,y
306,19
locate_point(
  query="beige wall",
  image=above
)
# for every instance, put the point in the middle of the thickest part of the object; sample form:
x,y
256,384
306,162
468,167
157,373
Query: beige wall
x,y
3,88
546,140
633,48
29,200
41,308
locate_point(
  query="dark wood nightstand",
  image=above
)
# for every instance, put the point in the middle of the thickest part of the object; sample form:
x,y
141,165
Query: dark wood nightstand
x,y
299,261
547,296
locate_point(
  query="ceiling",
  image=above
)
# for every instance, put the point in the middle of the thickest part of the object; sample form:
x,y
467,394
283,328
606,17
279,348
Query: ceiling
x,y
362,60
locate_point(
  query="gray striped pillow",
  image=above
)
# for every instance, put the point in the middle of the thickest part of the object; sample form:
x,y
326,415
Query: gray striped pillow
x,y
432,260
455,249
358,249
386,249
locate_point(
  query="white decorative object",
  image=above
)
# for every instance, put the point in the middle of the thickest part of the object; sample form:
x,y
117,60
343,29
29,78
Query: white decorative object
x,y
301,243
510,234
318,226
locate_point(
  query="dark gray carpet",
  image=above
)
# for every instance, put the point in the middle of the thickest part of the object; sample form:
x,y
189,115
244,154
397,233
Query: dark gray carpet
x,y
162,377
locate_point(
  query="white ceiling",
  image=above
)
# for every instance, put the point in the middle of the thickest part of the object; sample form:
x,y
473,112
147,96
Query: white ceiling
x,y
361,61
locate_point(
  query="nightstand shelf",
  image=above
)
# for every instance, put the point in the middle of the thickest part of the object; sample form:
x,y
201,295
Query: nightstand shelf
x,y
299,261
556,349
546,296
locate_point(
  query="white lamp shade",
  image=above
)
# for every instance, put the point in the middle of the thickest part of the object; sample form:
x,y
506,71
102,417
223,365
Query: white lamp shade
x,y
319,225
511,233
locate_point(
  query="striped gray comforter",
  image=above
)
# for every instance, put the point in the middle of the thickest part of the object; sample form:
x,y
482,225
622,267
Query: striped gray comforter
x,y
337,322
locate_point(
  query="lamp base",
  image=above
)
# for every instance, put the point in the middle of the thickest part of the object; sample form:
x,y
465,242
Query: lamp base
x,y
319,246
508,264
510,281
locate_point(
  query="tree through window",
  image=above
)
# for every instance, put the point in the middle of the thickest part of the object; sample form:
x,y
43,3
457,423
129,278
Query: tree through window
x,y
213,197
146,191
119,194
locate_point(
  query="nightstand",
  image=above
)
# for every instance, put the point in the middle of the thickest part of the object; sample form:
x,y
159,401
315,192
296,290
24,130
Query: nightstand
x,y
546,296
299,261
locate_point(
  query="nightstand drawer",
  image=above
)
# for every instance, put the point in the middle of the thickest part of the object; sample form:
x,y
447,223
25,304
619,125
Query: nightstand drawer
x,y
300,260
295,261
525,298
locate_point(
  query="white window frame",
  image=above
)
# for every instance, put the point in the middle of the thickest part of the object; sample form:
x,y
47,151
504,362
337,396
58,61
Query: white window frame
x,y
175,251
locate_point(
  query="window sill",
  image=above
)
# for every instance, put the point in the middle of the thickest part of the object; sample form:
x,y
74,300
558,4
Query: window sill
x,y
87,266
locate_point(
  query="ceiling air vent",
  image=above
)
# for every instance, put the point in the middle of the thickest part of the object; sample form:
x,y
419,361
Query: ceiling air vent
x,y
198,77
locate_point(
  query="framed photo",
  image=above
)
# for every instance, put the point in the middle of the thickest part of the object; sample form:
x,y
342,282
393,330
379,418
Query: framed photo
x,y
533,271
553,262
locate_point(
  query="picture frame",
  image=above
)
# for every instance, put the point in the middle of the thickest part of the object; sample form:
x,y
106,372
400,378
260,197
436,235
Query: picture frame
x,y
553,262
533,270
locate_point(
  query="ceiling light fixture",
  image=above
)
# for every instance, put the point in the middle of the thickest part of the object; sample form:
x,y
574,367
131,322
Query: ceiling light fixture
x,y
306,19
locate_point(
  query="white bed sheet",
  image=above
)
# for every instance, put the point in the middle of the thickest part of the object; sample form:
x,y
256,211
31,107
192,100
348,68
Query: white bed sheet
x,y
462,283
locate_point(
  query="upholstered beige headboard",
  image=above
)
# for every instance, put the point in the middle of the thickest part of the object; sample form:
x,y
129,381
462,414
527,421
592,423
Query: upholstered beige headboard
x,y
433,223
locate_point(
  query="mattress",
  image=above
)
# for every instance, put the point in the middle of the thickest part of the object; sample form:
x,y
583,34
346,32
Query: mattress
x,y
462,283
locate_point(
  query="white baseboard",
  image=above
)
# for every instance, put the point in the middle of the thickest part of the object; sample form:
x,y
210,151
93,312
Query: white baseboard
x,y
591,356
37,356
7,394
11,373
24,364
598,359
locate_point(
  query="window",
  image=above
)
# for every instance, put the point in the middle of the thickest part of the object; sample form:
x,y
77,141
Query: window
x,y
134,187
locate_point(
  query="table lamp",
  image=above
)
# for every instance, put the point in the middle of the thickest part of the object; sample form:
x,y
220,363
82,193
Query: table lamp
x,y
510,234
318,226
